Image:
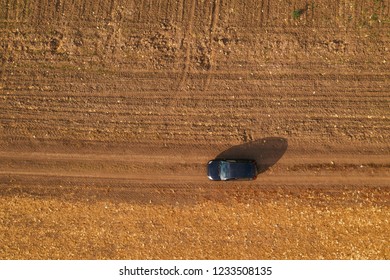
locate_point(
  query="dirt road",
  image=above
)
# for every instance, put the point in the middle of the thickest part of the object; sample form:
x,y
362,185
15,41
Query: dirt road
x,y
110,110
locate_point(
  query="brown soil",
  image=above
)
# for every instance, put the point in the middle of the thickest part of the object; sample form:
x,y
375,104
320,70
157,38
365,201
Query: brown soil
x,y
110,110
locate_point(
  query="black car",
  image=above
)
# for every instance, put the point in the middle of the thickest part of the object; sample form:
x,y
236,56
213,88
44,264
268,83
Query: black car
x,y
231,169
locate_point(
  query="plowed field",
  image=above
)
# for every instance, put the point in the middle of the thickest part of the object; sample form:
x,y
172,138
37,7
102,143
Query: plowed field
x,y
110,111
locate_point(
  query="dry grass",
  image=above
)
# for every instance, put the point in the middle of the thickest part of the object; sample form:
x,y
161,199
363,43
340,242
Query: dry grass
x,y
33,228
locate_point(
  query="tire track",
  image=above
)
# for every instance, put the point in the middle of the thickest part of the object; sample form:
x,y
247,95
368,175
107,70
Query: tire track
x,y
212,33
188,45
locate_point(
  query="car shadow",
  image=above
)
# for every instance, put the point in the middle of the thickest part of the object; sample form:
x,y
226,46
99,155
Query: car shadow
x,y
266,152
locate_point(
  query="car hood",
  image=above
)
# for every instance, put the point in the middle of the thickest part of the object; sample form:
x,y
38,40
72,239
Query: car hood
x,y
213,170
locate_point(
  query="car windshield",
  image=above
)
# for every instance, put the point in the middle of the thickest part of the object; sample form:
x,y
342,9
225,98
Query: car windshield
x,y
224,170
